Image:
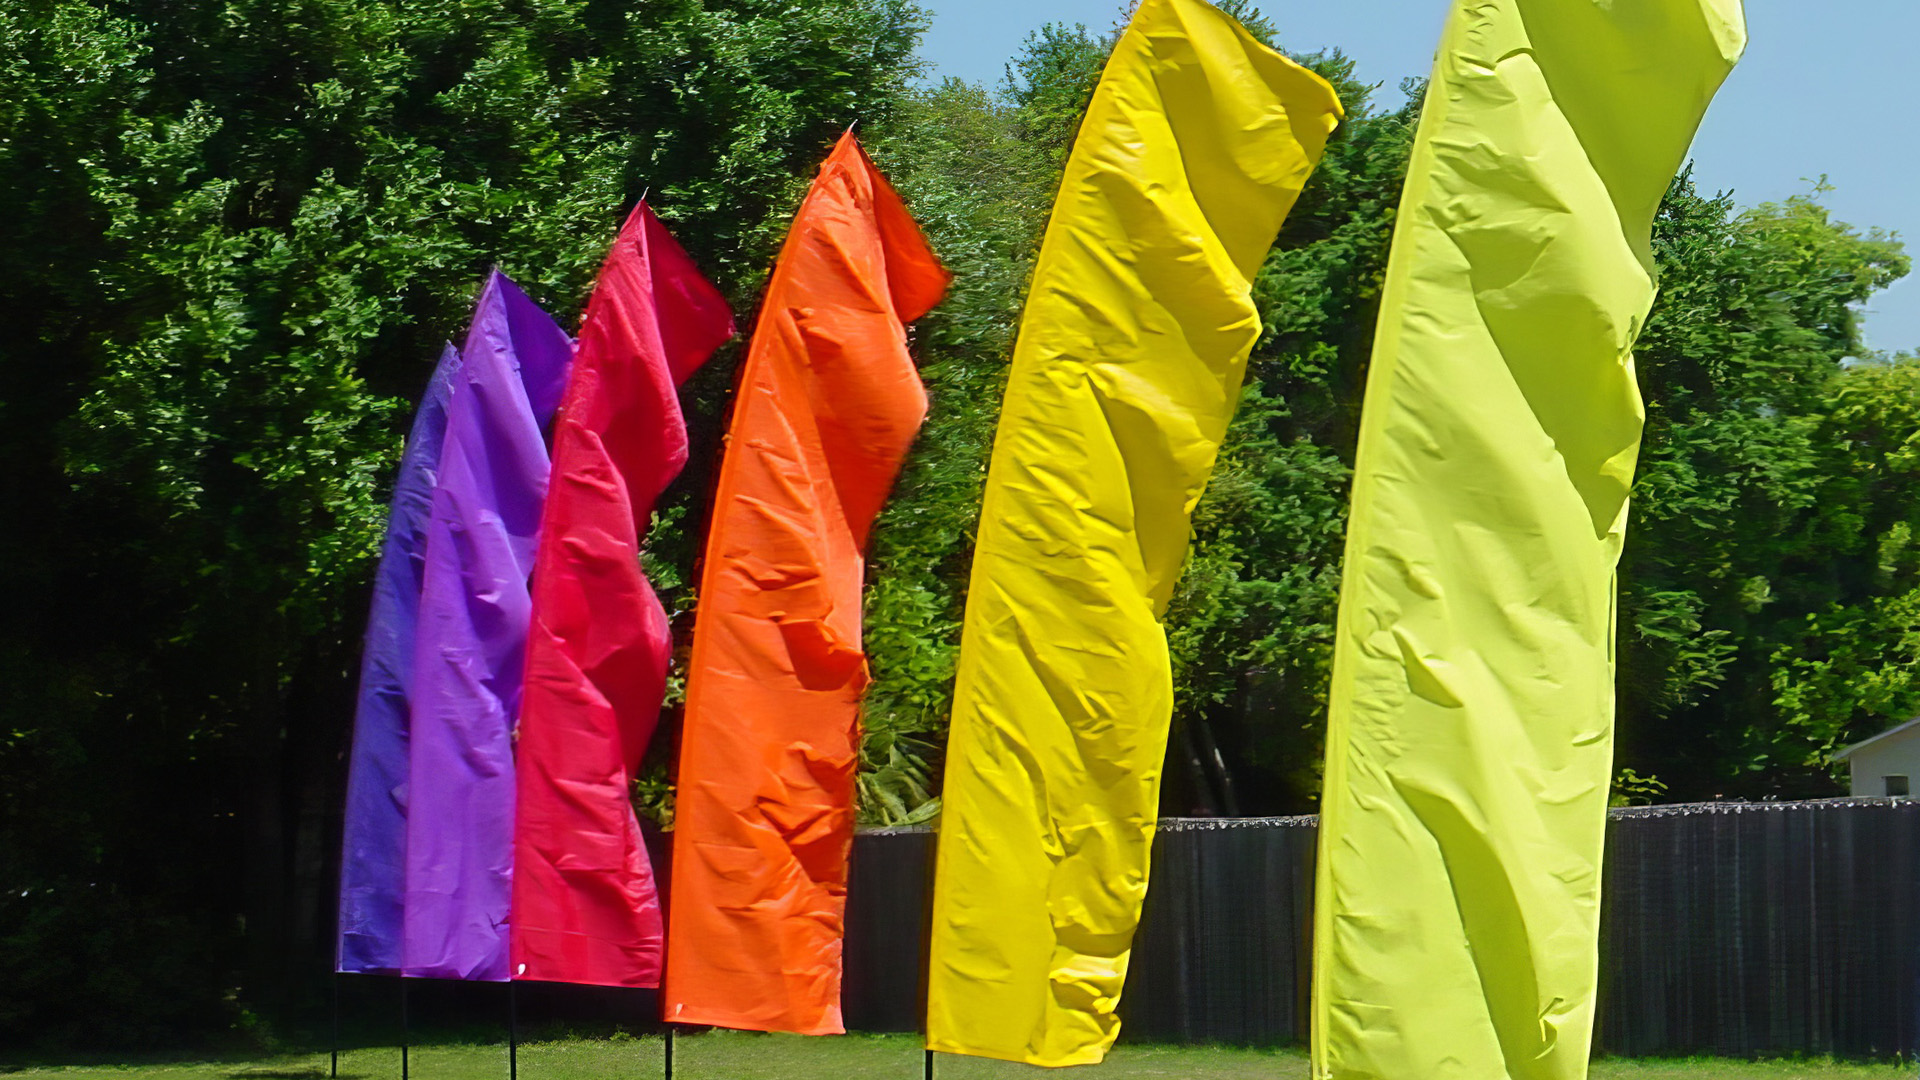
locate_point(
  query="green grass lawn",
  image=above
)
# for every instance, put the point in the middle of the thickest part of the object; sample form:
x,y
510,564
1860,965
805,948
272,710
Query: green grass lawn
x,y
736,1056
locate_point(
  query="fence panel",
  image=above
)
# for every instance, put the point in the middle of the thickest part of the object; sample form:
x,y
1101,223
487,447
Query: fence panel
x,y
1761,928
1726,928
1222,954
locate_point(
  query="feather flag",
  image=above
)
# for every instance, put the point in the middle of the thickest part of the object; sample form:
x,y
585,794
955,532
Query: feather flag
x,y
373,872
470,651
1127,370
585,909
1471,712
829,402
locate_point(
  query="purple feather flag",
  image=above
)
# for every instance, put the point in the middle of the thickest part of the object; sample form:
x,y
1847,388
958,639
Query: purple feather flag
x,y
373,859
471,646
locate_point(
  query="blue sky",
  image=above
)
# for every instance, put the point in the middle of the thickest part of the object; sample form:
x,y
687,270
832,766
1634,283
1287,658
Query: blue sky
x,y
1825,88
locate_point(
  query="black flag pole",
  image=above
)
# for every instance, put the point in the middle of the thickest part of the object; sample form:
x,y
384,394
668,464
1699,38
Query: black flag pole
x,y
513,1029
333,1055
406,1032
665,897
333,1067
929,1074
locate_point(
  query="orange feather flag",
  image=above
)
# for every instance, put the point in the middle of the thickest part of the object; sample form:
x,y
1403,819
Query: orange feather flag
x,y
828,404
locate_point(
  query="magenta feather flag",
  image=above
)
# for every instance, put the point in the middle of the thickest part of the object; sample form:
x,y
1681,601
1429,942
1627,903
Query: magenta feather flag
x,y
585,909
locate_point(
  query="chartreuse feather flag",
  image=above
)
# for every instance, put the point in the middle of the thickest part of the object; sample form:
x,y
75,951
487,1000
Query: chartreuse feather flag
x,y
1469,752
1127,370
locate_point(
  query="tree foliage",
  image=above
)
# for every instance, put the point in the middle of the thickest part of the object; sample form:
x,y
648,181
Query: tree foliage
x,y
1764,500
239,232
984,222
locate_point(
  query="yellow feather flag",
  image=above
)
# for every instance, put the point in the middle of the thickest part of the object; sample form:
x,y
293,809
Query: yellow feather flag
x,y
1127,370
1470,746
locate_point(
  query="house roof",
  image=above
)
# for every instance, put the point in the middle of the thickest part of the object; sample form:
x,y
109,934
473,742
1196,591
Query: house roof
x,y
1882,737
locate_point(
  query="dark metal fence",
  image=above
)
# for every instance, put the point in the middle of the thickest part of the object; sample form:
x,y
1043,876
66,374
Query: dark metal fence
x,y
1762,928
1727,928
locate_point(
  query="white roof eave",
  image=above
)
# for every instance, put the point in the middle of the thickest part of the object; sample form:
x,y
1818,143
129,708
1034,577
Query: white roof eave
x,y
1843,755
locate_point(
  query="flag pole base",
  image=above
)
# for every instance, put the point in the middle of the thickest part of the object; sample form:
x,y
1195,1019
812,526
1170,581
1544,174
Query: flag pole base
x,y
333,1065
406,1031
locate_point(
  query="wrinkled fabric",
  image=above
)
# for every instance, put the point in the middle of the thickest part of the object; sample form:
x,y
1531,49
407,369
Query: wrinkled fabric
x,y
373,853
585,909
828,404
1126,372
1471,714
471,648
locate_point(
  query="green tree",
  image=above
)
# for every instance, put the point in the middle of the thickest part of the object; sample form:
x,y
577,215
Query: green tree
x,y
1252,622
980,191
1851,667
240,232
1750,509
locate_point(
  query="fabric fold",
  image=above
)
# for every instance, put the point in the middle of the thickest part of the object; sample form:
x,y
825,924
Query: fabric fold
x,y
469,656
828,404
585,905
373,873
1126,373
1469,749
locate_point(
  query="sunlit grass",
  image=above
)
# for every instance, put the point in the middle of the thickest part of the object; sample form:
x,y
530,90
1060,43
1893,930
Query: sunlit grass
x,y
725,1055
